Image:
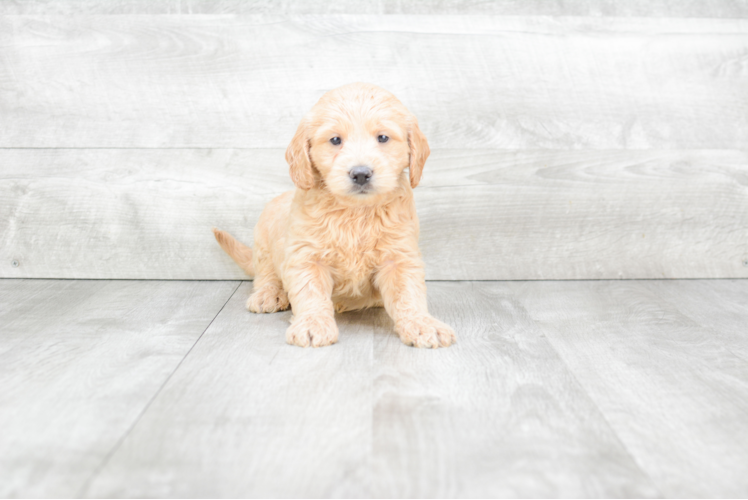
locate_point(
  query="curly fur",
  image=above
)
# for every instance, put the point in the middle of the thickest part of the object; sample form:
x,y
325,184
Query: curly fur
x,y
331,245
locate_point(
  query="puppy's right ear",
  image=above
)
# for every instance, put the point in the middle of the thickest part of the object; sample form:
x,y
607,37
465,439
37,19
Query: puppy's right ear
x,y
419,152
297,156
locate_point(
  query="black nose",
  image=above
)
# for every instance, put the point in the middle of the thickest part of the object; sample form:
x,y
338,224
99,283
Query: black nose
x,y
360,175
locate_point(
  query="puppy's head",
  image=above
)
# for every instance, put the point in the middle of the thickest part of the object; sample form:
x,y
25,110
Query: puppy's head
x,y
356,142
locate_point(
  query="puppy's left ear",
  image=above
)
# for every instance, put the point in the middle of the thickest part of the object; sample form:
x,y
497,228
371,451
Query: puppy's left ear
x,y
297,156
419,152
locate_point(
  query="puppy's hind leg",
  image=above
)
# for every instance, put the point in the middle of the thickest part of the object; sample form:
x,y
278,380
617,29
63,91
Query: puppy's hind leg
x,y
268,295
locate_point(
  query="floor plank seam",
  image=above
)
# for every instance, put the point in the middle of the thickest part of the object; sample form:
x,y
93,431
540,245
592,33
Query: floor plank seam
x,y
118,444
726,345
624,446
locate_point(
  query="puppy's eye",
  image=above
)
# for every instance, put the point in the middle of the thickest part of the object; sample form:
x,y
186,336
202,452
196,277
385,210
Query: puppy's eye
x,y
335,141
383,138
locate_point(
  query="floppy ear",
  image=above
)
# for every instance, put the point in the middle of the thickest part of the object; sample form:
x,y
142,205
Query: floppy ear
x,y
419,152
297,156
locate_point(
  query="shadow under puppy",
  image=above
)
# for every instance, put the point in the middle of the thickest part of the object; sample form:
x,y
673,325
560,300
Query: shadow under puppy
x,y
347,237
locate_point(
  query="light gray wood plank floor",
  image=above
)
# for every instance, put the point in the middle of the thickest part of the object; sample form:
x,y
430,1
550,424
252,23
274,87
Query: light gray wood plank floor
x,y
79,362
580,388
663,370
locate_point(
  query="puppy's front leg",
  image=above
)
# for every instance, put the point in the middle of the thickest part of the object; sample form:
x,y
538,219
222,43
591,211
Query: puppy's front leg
x,y
402,284
310,293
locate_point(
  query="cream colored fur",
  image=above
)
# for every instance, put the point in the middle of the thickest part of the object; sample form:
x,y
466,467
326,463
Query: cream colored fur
x,y
327,247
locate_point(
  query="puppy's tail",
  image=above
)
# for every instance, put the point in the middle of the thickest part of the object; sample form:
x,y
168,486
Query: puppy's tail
x,y
241,254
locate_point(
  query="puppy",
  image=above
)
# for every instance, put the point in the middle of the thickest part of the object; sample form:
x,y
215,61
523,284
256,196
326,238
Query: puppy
x,y
347,237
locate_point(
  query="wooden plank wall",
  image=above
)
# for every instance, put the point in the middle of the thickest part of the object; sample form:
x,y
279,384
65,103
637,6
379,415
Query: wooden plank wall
x,y
571,140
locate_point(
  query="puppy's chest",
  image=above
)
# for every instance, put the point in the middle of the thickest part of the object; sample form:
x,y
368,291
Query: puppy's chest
x,y
354,243
352,249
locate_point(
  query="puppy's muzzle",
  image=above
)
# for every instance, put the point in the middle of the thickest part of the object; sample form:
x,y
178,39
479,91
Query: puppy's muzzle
x,y
360,175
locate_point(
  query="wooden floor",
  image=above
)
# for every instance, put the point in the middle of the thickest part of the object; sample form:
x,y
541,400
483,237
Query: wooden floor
x,y
555,389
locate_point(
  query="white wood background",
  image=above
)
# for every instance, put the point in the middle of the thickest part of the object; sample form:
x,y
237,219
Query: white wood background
x,y
571,140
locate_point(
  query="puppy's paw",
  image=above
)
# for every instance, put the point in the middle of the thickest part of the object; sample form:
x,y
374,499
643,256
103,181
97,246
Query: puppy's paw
x,y
310,330
425,331
268,299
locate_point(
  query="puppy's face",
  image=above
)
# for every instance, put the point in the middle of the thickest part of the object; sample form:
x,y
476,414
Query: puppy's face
x,y
356,143
360,150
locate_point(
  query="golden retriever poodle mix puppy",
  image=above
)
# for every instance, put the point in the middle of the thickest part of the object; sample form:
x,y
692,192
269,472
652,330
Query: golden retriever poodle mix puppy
x,y
347,237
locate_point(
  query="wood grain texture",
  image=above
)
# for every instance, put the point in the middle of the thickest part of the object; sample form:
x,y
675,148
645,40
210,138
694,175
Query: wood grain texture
x,y
79,361
673,390
474,81
587,215
484,214
131,213
498,414
718,306
249,415
630,8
